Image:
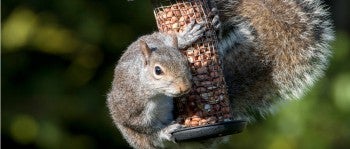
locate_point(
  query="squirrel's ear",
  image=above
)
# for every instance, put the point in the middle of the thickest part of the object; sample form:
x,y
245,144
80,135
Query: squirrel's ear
x,y
175,42
146,51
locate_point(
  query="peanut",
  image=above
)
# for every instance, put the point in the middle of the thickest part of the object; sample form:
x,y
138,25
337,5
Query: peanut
x,y
194,123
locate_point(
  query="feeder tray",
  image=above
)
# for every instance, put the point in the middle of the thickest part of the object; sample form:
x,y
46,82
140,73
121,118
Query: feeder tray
x,y
205,111
209,131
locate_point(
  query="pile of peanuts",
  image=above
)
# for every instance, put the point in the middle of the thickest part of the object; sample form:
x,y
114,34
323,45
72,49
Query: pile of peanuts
x,y
207,102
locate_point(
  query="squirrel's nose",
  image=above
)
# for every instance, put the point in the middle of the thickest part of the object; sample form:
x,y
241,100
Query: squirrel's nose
x,y
185,87
185,90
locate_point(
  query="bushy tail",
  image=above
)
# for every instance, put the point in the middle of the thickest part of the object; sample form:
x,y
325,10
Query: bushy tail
x,y
273,50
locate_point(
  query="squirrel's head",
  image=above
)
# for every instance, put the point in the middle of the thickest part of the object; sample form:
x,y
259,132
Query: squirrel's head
x,y
166,70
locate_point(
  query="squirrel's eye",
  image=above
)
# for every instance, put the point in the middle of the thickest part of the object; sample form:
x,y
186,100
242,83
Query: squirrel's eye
x,y
158,70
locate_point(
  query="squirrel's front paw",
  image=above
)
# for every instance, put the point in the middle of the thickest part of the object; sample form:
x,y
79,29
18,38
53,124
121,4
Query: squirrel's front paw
x,y
166,133
192,32
216,21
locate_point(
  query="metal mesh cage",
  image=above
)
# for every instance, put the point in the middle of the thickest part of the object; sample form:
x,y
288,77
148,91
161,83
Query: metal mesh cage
x,y
207,102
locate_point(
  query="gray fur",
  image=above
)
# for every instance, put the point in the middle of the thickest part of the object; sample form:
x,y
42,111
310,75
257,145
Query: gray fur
x,y
140,102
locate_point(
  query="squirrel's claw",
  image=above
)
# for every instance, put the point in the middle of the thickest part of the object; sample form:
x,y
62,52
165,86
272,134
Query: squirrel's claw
x,y
213,12
166,133
191,33
216,20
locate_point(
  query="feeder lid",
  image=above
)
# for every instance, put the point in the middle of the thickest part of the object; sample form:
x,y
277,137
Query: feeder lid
x,y
209,131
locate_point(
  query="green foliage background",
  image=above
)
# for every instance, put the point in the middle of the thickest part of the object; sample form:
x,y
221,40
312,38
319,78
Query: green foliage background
x,y
57,60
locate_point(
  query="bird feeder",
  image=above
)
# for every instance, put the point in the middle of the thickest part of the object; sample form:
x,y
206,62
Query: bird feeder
x,y
205,111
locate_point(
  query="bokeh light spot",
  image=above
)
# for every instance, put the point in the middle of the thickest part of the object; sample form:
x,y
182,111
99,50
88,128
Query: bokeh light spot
x,y
24,129
50,136
282,143
341,92
17,28
55,40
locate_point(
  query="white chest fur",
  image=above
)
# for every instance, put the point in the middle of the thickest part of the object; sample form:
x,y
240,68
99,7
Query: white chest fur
x,y
159,109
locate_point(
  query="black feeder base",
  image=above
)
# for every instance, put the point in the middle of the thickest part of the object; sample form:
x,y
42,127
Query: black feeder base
x,y
209,131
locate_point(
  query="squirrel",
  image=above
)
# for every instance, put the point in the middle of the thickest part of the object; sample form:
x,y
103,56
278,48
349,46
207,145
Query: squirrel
x,y
148,75
271,51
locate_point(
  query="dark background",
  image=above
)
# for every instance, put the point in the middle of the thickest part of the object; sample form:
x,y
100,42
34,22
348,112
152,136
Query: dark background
x,y
57,60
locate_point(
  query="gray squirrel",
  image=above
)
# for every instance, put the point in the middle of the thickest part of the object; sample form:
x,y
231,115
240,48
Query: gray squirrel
x,y
271,51
147,76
